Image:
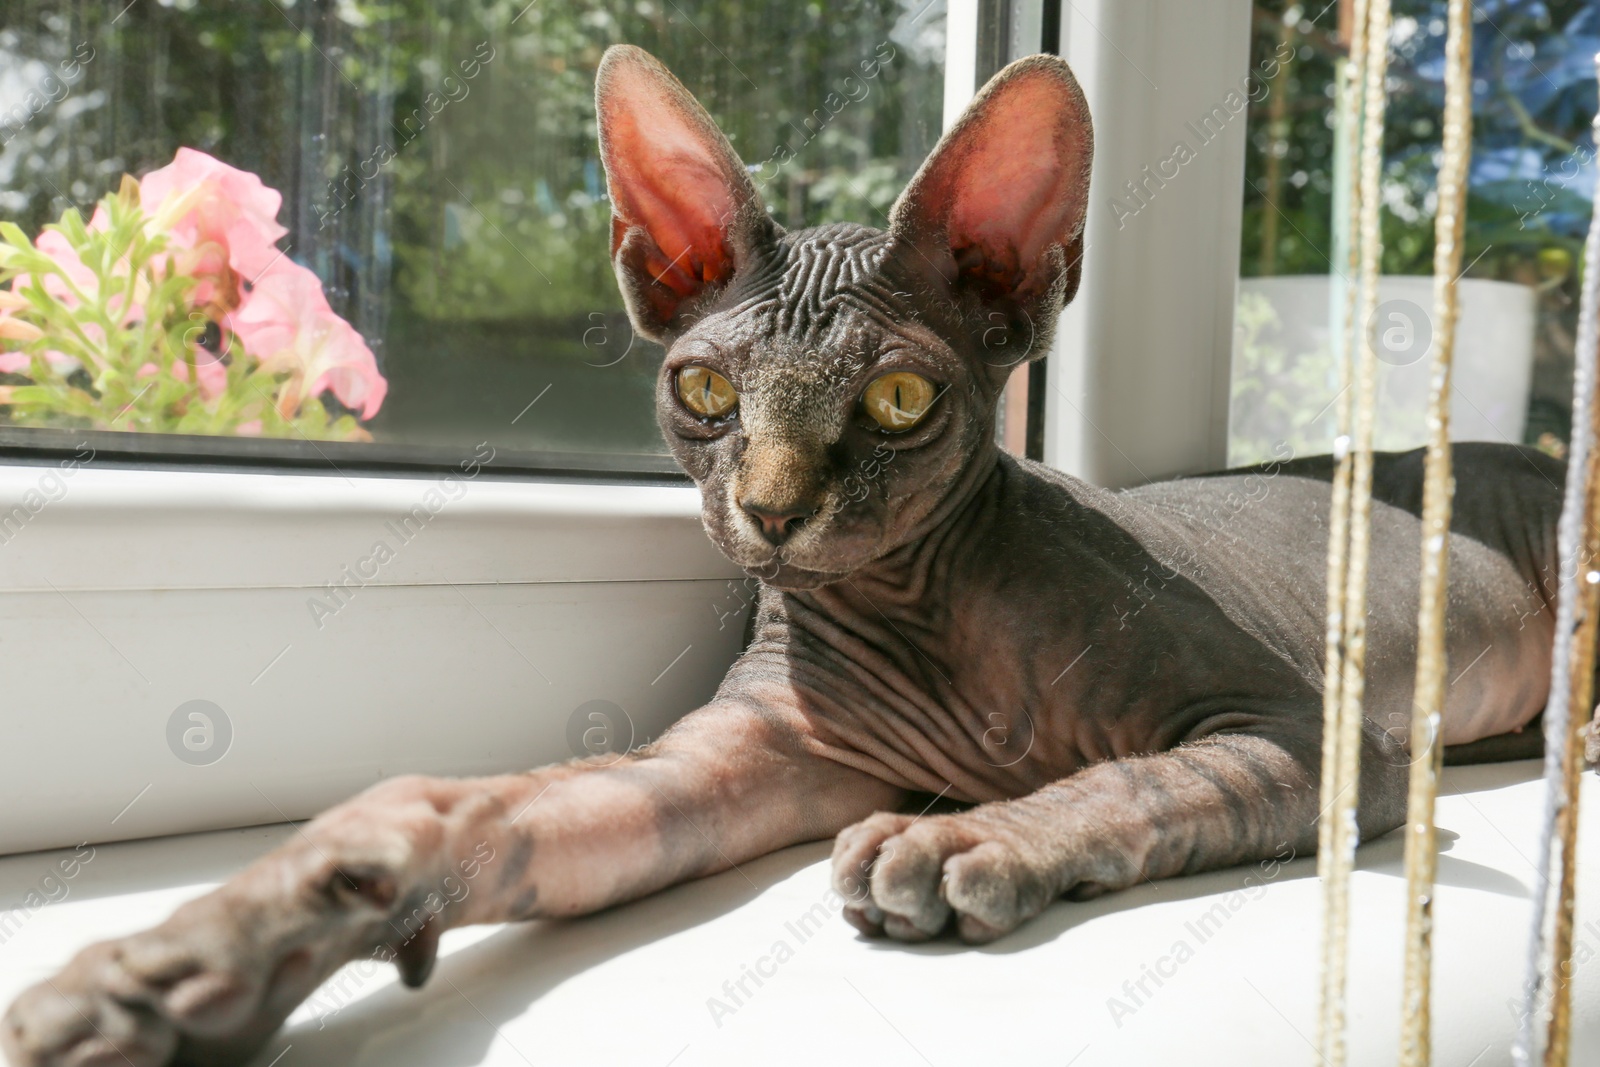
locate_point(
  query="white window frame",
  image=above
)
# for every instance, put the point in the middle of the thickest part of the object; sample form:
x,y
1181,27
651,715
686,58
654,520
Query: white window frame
x,y
503,608
130,591
1139,377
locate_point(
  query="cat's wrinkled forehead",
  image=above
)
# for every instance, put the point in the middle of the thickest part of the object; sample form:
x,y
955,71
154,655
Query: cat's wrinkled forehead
x,y
820,310
829,272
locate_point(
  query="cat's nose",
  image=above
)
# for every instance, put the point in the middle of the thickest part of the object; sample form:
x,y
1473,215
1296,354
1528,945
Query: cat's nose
x,y
777,524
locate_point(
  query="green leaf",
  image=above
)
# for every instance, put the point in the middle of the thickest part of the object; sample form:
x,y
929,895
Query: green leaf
x,y
13,235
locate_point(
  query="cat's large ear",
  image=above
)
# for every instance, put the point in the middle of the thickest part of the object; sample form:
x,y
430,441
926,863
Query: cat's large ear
x,y
998,209
684,214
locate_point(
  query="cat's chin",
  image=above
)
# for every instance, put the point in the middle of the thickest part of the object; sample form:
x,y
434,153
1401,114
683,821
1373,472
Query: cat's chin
x,y
792,579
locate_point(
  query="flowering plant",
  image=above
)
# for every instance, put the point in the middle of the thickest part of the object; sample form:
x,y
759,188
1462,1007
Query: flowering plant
x,y
173,310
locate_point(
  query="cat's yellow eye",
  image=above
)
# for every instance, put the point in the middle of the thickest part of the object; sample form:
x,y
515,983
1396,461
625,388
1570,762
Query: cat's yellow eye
x,y
898,401
705,392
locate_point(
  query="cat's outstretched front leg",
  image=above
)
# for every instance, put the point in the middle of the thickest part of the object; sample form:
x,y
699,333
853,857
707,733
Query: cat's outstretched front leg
x,y
387,872
1226,799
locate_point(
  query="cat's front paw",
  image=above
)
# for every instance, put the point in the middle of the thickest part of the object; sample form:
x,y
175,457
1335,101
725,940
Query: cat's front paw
x,y
176,994
211,984
973,871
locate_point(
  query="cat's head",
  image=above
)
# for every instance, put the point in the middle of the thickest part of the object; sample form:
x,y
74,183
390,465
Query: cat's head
x,y
833,390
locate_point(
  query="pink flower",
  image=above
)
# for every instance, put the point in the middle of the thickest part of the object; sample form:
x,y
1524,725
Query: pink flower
x,y
286,323
211,371
221,229
223,224
222,215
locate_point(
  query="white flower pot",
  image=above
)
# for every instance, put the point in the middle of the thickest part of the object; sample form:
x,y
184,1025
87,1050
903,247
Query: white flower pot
x,y
1285,378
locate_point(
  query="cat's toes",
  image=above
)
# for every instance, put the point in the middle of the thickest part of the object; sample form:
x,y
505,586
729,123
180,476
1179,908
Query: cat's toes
x,y
93,1012
992,891
914,879
138,1003
855,851
200,988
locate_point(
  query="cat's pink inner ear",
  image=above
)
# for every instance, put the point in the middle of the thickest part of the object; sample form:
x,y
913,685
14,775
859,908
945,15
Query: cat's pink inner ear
x,y
1016,191
1011,179
668,174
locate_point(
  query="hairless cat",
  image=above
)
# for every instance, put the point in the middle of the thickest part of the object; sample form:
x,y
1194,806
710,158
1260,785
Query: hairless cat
x,y
1122,685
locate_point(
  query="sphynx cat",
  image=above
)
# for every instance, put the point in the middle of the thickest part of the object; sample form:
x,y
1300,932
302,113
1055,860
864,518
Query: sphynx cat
x,y
1122,685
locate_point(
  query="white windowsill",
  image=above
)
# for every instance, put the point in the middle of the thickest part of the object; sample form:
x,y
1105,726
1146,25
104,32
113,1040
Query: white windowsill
x,y
1219,968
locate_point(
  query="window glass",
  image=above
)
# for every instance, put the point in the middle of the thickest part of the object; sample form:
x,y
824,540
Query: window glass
x,y
440,185
1530,196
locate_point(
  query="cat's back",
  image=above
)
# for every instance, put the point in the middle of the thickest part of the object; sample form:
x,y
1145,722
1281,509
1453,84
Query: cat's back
x,y
1264,532
1507,498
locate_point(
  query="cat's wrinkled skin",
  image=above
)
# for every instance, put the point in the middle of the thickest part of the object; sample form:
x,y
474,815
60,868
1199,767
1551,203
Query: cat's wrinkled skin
x,y
1126,685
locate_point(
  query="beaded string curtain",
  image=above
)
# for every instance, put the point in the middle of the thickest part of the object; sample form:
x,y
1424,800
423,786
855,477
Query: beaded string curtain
x,y
1548,993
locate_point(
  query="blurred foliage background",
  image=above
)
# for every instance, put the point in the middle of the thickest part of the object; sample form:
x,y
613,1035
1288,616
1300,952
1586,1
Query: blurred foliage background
x,y
1533,170
438,162
439,168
